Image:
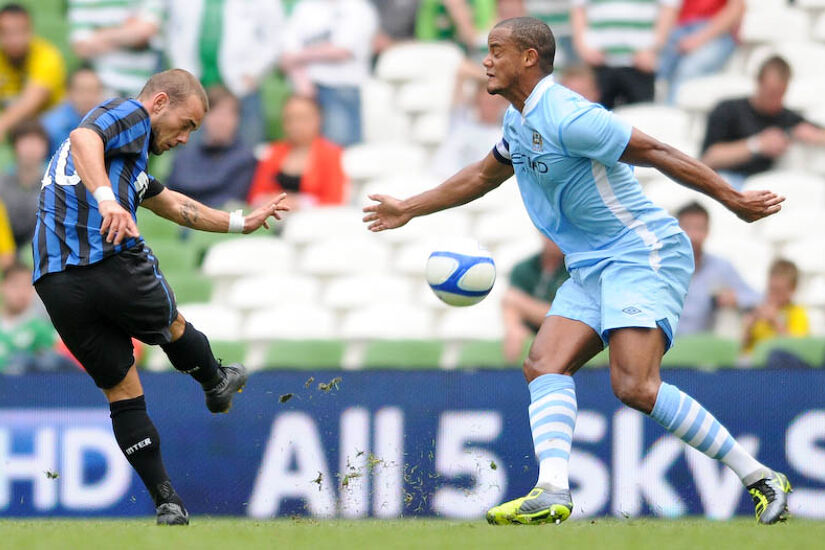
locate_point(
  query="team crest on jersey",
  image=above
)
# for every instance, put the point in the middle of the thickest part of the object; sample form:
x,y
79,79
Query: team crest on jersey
x,y
538,142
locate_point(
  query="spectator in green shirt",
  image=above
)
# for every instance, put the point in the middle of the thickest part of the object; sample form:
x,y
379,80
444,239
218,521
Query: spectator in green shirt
x,y
26,339
533,285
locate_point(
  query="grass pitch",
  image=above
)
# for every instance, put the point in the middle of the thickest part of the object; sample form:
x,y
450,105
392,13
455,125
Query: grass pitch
x,y
230,534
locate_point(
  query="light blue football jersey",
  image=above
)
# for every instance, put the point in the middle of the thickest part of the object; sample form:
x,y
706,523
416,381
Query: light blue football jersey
x,y
565,152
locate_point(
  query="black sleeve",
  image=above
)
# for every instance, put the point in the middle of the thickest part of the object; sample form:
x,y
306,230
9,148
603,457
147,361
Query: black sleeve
x,y
121,124
153,189
717,128
791,119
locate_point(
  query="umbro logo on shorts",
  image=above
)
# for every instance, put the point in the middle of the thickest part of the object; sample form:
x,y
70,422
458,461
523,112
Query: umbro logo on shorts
x,y
632,310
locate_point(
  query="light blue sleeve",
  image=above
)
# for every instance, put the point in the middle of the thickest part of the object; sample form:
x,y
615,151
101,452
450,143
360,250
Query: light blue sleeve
x,y
596,133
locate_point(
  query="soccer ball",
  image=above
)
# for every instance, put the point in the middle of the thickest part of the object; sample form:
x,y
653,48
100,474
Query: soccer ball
x,y
462,273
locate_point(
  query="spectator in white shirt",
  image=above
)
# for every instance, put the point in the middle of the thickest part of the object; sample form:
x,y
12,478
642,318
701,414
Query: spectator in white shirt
x,y
328,44
230,43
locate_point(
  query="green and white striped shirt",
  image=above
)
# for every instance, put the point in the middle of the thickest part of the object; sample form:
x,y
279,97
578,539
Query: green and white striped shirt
x,y
124,70
620,28
556,13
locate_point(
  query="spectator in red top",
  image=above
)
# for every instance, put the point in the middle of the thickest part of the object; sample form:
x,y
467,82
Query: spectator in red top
x,y
305,164
701,42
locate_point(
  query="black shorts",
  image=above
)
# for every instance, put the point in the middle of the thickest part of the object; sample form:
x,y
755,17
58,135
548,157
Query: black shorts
x,y
98,308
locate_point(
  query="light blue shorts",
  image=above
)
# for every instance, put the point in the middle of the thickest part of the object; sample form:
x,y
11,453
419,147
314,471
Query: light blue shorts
x,y
636,288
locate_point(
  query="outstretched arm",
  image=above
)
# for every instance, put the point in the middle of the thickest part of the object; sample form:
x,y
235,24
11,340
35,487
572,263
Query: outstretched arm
x,y
643,150
182,210
467,185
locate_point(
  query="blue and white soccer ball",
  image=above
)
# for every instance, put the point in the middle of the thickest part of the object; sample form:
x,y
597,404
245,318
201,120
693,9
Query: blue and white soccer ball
x,y
462,273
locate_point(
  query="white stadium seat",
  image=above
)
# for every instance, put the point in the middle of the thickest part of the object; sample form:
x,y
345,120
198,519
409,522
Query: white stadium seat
x,y
411,258
247,256
343,256
372,160
272,290
497,227
315,224
812,293
426,96
802,190
354,291
808,254
400,185
774,25
446,224
388,320
291,322
506,197
381,121
414,61
482,322
806,92
668,124
430,129
217,321
508,254
792,225
818,32
811,4
805,58
700,95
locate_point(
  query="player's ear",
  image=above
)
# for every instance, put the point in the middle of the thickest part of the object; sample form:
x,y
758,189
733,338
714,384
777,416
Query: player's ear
x,y
160,101
531,57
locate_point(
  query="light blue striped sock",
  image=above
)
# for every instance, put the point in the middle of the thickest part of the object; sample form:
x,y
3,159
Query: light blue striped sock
x,y
552,419
685,418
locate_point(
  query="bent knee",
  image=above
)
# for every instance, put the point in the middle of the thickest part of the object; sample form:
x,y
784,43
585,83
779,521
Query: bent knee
x,y
636,392
177,327
537,364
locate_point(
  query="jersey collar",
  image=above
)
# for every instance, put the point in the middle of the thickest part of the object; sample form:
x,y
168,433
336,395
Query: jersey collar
x,y
535,96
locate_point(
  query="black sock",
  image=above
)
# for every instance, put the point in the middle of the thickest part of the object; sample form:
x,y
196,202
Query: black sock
x,y
138,439
192,354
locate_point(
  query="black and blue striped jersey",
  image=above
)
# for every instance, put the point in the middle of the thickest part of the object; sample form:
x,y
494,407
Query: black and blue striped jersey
x,y
68,220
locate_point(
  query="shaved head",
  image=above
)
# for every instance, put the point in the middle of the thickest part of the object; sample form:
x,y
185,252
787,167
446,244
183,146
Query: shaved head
x,y
177,84
531,33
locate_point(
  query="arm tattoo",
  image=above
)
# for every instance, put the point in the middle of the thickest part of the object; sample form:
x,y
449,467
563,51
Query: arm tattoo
x,y
190,213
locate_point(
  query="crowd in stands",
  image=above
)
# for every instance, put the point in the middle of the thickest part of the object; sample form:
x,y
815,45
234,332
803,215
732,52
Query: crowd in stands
x,y
293,87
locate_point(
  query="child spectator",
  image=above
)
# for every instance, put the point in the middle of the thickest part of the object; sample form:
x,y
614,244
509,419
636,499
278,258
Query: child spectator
x,y
32,72
26,338
7,248
305,165
217,166
778,315
85,92
20,186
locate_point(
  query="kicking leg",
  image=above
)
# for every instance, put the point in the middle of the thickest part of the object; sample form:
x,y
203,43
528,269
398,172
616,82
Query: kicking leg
x,y
561,347
635,358
190,352
138,438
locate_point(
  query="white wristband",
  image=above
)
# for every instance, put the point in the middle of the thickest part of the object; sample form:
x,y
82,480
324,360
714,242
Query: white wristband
x,y
753,145
103,193
236,221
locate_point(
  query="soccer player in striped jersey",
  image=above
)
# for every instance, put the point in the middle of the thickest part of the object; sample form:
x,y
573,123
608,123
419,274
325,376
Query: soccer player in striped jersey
x,y
629,263
101,283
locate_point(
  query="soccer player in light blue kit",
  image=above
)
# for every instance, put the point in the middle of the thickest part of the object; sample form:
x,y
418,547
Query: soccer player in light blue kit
x,y
629,263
